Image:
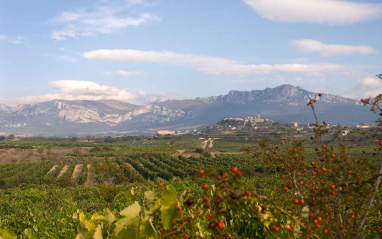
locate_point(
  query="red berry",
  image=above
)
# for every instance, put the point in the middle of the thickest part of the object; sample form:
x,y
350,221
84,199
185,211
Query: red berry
x,y
161,185
189,202
212,225
234,169
220,225
205,186
201,172
312,163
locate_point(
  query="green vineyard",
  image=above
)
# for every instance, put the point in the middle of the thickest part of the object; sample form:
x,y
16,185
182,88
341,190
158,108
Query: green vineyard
x,y
120,170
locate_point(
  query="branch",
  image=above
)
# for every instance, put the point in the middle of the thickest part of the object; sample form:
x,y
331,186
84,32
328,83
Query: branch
x,y
377,183
281,210
295,184
174,232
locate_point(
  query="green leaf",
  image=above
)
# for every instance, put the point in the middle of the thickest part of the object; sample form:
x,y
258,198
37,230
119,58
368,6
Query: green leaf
x,y
7,234
149,197
81,234
29,234
296,231
98,233
305,212
131,211
157,205
127,227
169,212
131,195
108,217
147,229
88,227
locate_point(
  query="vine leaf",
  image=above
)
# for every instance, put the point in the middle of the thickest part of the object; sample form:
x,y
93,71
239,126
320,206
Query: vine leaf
x,y
6,234
98,233
108,217
87,228
131,195
127,227
146,228
150,197
156,205
170,209
305,212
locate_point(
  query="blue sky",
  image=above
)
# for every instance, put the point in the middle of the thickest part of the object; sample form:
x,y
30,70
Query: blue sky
x,y
139,51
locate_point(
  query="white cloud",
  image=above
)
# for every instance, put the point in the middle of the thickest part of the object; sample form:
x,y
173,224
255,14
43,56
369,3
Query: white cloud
x,y
11,40
333,12
68,58
102,20
144,98
130,73
371,86
87,90
78,90
63,34
369,82
312,46
207,64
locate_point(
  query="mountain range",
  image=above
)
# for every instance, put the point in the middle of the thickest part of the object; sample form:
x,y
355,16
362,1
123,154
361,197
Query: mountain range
x,y
283,104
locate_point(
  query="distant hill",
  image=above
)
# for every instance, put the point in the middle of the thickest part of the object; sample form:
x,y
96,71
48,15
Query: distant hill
x,y
285,103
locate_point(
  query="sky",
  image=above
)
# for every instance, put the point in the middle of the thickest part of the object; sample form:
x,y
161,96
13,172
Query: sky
x,y
140,51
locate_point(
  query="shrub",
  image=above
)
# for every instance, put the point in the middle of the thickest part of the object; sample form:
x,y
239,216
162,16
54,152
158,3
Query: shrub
x,y
207,154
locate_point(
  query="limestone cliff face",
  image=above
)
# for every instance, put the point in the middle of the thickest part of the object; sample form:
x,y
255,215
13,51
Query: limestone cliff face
x,y
112,112
279,95
284,103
